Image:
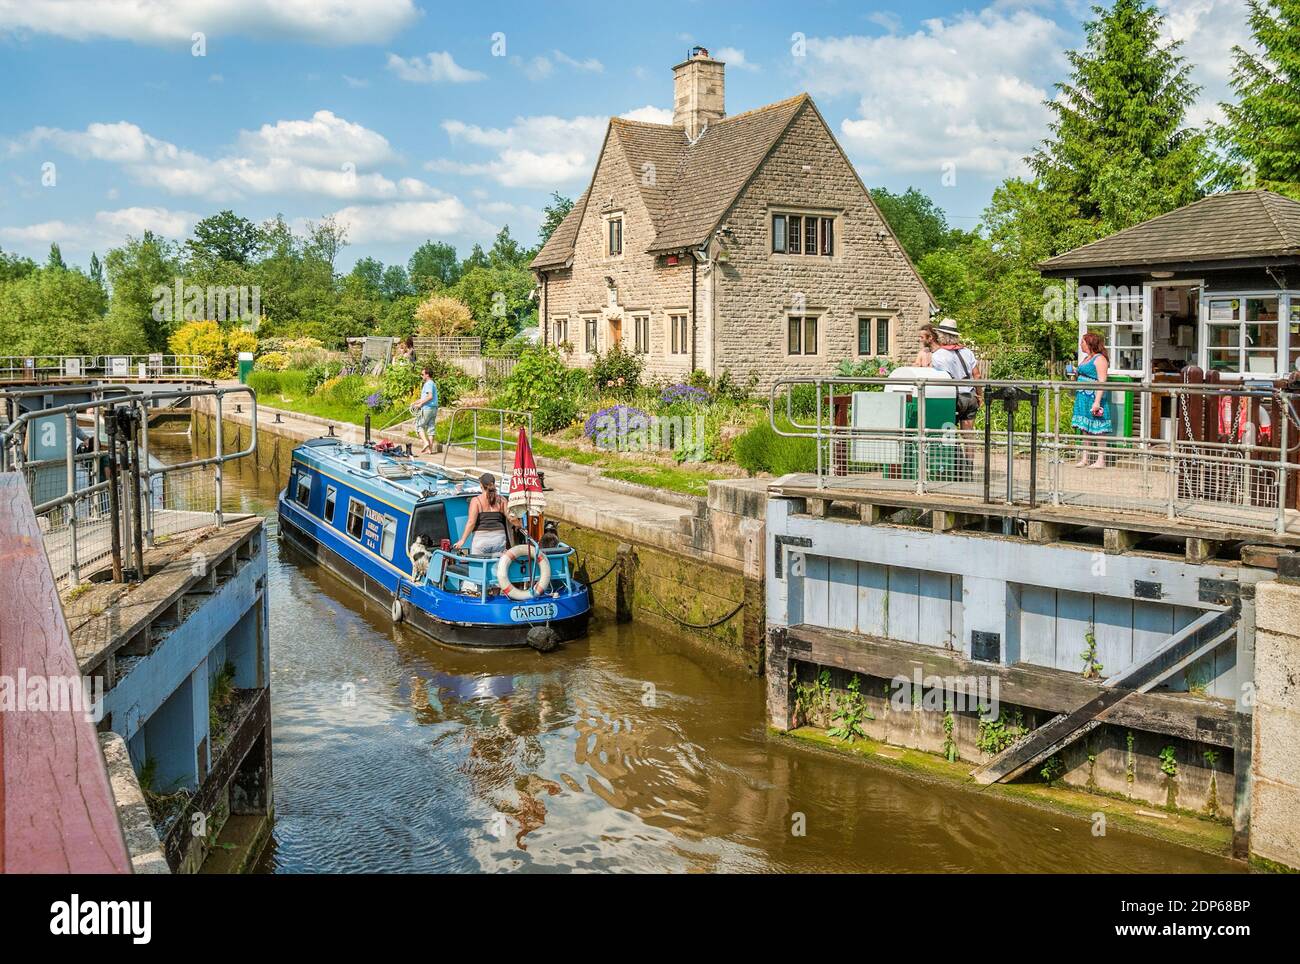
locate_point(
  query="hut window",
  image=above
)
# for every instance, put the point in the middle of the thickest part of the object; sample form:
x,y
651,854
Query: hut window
x,y
1243,335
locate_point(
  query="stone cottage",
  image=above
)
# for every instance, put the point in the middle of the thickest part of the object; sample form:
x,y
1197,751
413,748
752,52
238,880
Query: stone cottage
x,y
745,244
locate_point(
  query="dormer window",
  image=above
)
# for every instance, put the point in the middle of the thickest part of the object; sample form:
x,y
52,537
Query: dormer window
x,y
614,237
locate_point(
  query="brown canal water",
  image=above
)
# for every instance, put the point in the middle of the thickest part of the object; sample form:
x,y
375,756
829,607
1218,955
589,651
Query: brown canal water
x,y
627,751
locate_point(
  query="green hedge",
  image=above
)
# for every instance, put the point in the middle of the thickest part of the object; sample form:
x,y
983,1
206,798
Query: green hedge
x,y
762,450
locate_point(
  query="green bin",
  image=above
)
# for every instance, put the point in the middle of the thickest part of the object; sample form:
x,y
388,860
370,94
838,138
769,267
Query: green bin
x,y
245,366
941,458
1124,424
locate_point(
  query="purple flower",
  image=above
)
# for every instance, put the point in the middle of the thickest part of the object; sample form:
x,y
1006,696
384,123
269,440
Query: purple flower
x,y
684,393
612,425
374,401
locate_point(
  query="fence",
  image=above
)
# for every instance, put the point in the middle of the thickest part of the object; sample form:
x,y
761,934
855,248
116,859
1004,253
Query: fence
x,y
27,368
105,496
448,346
1230,454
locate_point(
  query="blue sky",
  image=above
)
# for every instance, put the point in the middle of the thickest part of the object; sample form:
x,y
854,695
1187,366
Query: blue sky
x,y
408,120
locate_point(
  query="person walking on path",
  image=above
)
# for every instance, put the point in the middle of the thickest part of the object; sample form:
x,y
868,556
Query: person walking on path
x,y
1092,408
426,411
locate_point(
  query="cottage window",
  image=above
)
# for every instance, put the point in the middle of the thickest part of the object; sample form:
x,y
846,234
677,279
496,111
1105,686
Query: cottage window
x,y
614,245
589,336
641,334
679,333
802,335
873,336
302,492
803,234
560,328
330,495
356,518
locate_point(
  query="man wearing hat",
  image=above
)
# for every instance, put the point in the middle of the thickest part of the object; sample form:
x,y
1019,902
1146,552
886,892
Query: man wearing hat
x,y
951,356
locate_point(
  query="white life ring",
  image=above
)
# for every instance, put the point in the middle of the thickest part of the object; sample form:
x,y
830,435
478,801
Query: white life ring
x,y
398,611
527,550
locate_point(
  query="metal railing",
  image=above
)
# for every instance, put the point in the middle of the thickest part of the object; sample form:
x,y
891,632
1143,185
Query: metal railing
x,y
105,495
1229,453
504,418
24,368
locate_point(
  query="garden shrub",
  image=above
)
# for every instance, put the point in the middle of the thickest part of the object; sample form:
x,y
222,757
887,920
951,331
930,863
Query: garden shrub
x,y
401,382
272,361
219,346
760,449
617,372
539,376
554,414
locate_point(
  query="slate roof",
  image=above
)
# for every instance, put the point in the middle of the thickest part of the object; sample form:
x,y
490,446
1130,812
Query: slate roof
x,y
693,184
1235,225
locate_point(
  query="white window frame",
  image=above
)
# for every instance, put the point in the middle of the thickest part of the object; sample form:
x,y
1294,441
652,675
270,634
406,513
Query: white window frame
x,y
560,329
607,221
1287,301
388,537
590,334
331,502
640,326
302,482
347,522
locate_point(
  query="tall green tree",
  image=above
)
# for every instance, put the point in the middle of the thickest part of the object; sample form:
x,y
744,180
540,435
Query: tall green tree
x,y
96,269
1261,137
55,258
135,270
224,236
1119,148
395,284
433,265
552,215
920,224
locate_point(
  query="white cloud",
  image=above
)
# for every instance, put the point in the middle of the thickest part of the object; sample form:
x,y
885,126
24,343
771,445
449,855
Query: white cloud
x,y
967,90
105,229
322,156
355,82
591,64
650,115
1208,30
378,223
325,139
734,57
175,21
436,67
538,151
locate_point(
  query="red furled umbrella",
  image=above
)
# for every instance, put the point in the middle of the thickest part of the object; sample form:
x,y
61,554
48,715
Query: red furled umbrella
x,y
525,487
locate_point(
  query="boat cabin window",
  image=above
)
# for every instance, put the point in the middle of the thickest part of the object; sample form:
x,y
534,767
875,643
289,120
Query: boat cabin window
x,y
356,518
302,493
429,521
330,494
389,537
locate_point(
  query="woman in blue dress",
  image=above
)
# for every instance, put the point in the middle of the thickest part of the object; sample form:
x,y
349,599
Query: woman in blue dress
x,y
1092,408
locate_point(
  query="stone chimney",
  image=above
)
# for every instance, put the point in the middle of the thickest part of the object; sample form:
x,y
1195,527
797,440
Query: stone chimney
x,y
698,92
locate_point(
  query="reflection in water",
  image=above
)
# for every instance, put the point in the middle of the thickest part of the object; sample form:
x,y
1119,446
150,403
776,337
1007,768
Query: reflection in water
x,y
393,753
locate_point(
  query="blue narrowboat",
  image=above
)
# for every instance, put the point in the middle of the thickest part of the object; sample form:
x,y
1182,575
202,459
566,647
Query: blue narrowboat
x,y
358,511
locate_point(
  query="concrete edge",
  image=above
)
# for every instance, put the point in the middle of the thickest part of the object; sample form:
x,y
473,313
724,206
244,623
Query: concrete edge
x,y
142,841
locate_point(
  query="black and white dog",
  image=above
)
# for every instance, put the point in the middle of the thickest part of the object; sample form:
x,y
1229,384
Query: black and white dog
x,y
420,555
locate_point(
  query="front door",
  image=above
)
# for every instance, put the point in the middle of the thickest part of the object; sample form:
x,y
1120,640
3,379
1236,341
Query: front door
x,y
615,331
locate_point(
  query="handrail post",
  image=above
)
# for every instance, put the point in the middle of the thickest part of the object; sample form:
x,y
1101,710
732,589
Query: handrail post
x,y
821,481
922,466
74,568
220,454
1284,444
146,477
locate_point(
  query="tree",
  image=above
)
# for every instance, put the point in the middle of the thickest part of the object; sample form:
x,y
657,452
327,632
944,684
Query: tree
x,y
920,224
57,311
433,265
55,258
394,283
325,239
500,300
134,271
1118,148
506,252
441,316
224,236
14,266
96,269
476,259
1261,139
370,273
552,215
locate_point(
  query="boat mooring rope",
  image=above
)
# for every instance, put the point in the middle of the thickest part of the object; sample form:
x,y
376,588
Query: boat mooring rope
x,y
591,582
682,622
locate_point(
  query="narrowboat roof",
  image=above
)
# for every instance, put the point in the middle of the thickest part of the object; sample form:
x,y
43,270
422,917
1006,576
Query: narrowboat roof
x,y
398,480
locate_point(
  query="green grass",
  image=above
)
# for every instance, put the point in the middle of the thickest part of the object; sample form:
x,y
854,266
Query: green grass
x,y
675,480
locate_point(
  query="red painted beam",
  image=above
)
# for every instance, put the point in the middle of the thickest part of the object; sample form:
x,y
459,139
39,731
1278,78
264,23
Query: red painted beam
x,y
57,813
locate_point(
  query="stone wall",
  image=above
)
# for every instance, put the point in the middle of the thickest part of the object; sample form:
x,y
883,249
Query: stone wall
x,y
643,285
869,273
1275,758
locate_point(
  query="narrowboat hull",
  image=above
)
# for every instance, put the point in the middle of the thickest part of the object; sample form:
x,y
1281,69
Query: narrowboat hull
x,y
465,623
